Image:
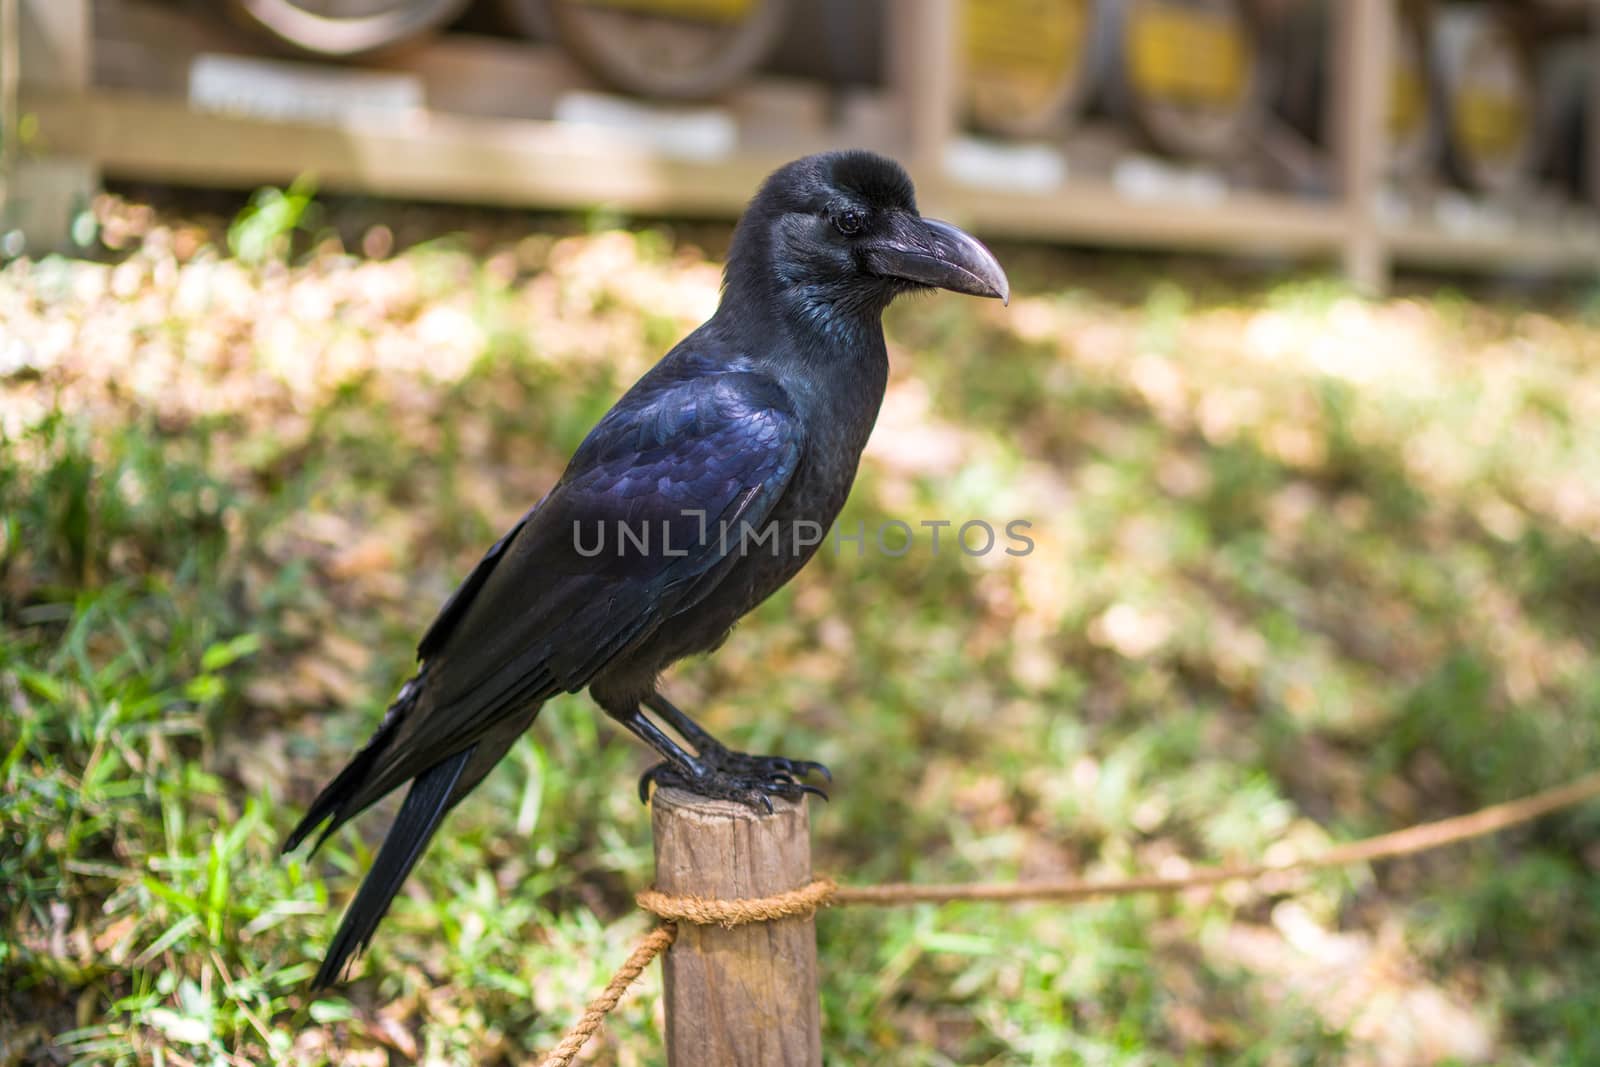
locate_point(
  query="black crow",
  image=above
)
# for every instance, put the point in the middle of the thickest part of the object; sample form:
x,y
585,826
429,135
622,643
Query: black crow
x,y
696,497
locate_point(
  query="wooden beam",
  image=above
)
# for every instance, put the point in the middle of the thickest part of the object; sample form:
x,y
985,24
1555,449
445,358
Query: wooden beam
x,y
1096,212
1364,43
430,157
746,994
519,163
1542,248
530,163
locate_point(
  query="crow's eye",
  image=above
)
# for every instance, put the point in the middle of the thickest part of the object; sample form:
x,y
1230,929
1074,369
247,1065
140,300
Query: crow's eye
x,y
850,222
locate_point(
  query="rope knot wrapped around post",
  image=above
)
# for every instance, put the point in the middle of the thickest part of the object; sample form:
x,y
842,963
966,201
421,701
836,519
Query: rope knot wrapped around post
x,y
730,913
700,911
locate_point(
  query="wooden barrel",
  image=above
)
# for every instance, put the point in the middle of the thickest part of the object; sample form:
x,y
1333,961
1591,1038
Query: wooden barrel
x,y
340,28
1301,35
668,49
526,18
837,42
1028,64
1190,74
1489,97
1566,75
1411,119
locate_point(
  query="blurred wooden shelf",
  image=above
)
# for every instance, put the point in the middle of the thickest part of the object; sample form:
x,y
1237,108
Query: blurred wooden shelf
x,y
427,156
113,86
521,162
1532,247
1097,212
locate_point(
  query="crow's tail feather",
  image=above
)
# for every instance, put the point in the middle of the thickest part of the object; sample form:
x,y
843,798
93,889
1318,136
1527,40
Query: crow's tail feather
x,y
336,804
430,797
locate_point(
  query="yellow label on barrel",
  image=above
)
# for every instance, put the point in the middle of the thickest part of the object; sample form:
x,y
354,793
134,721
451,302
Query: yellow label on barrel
x,y
1408,103
700,10
1041,38
1188,55
1490,125
1021,53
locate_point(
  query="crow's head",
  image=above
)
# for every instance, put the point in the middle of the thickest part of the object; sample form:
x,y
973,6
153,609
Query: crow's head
x,y
841,233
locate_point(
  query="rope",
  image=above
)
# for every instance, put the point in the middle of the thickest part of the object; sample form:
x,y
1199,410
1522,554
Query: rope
x,y
652,945
1407,842
731,913
824,892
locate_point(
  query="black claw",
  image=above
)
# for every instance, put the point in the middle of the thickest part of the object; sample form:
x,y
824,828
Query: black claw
x,y
801,768
663,774
747,766
749,780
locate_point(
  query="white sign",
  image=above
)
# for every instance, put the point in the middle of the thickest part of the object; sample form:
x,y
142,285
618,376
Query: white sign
x,y
1023,167
701,133
284,91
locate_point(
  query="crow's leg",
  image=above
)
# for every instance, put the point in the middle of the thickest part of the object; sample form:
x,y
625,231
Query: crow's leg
x,y
677,759
750,785
690,730
716,754
719,756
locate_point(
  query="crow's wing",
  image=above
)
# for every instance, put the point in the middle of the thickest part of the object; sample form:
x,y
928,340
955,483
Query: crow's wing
x,y
458,602
676,461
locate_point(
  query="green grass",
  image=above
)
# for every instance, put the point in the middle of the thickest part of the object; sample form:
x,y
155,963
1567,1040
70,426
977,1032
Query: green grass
x,y
1305,568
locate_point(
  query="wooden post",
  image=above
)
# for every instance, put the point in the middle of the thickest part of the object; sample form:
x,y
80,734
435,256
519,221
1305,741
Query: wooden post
x,y
746,995
1361,95
10,94
924,60
51,41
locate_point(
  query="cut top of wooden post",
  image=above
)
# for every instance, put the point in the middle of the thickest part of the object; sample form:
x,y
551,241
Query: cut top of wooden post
x,y
746,995
729,851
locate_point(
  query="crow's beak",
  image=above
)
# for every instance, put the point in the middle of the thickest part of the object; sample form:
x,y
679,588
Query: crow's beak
x,y
930,252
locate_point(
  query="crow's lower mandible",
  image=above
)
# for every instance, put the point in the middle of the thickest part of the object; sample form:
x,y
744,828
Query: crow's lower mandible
x,y
659,536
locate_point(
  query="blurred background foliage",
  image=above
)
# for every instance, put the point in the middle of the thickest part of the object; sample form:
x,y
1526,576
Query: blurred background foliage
x,y
1307,567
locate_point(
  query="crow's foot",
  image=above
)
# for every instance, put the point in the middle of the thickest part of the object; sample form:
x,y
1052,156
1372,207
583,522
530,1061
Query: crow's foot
x,y
745,779
746,765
